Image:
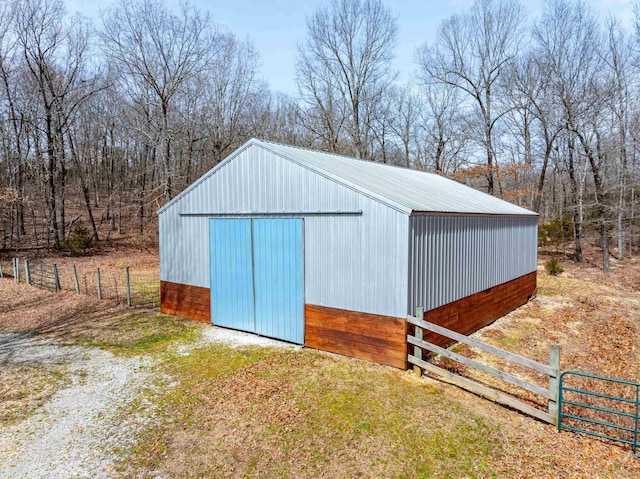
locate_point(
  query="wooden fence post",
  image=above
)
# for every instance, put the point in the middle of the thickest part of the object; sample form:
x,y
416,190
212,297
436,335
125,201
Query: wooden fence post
x,y
98,283
75,279
128,285
27,271
554,382
56,277
417,351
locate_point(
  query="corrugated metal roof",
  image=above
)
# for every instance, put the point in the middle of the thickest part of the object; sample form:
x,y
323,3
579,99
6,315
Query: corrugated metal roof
x,y
406,189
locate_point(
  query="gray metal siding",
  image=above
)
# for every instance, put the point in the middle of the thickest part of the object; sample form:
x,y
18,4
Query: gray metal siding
x,y
358,263
452,257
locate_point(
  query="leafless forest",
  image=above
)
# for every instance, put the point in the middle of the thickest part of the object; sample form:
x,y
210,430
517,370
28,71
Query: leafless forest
x,y
103,121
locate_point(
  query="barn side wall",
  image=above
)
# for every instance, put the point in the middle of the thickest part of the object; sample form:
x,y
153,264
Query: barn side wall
x,y
454,257
352,262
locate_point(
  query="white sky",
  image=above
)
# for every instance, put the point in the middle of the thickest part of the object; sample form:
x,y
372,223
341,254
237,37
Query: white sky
x,y
277,26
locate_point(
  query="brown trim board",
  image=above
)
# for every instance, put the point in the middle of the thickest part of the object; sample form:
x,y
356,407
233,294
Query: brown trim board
x,y
193,302
373,337
377,338
468,315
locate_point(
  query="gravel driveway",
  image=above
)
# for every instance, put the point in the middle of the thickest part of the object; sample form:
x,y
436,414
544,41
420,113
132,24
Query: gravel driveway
x,y
77,433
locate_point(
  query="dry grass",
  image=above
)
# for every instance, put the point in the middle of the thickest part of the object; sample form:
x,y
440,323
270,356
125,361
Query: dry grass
x,y
144,272
274,413
271,413
224,412
24,388
68,318
594,319
73,318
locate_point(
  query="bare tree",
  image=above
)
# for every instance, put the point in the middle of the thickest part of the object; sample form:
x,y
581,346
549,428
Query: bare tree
x,y
54,55
13,133
325,112
157,51
471,53
528,89
406,110
446,134
227,89
616,56
345,63
567,36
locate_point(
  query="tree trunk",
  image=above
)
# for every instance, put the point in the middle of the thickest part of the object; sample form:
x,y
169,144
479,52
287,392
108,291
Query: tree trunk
x,y
86,196
543,172
600,197
577,201
489,147
50,182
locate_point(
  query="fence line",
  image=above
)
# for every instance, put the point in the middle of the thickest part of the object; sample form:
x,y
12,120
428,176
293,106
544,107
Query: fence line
x,y
124,285
552,370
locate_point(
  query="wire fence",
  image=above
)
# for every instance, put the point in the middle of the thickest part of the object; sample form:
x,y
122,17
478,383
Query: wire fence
x,y
7,268
135,287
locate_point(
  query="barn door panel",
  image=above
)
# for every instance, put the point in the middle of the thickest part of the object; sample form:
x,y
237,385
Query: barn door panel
x,y
278,277
232,295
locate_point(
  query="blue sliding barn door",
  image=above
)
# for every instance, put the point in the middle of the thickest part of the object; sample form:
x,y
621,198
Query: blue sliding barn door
x,y
257,276
232,295
278,277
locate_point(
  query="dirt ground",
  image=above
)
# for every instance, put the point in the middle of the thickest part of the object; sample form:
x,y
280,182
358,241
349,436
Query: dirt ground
x,y
202,402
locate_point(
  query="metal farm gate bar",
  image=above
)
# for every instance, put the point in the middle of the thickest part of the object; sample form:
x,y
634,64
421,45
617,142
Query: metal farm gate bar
x,y
620,417
42,275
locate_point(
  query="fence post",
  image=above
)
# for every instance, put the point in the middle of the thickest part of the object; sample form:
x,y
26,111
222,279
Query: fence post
x,y
128,285
417,351
27,271
1,274
56,277
98,283
16,271
75,279
554,362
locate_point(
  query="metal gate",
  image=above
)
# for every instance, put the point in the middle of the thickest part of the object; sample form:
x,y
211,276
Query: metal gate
x,y
257,276
41,275
623,411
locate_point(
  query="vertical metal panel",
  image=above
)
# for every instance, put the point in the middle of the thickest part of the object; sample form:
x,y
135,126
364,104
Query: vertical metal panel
x,y
232,294
456,256
278,267
358,263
